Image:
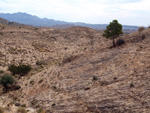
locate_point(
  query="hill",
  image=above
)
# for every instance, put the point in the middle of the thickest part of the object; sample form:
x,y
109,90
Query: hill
x,y
28,19
5,22
75,70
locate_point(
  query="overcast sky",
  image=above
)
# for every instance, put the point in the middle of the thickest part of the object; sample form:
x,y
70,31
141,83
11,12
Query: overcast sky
x,y
127,12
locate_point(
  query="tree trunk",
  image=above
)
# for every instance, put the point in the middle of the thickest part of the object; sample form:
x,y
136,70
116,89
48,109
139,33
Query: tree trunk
x,y
114,45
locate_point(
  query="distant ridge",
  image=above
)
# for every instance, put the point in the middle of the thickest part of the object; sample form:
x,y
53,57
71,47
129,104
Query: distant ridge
x,y
28,19
6,22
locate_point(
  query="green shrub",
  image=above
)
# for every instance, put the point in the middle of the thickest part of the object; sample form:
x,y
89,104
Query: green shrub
x,y
95,78
2,109
21,69
120,42
6,80
21,110
53,104
12,68
131,85
41,110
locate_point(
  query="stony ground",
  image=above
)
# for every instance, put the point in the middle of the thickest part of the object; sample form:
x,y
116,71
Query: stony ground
x,y
75,70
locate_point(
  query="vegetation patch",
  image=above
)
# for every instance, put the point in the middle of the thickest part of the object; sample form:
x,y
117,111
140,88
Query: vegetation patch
x,y
120,42
21,69
53,104
131,85
114,29
6,81
95,78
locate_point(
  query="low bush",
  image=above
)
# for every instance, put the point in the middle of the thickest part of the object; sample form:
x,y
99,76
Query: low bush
x,y
53,104
95,78
21,69
6,81
120,42
131,85
13,69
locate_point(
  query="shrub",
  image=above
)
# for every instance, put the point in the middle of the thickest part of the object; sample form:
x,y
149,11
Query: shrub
x,y
120,42
6,80
53,104
12,68
141,29
2,109
131,85
21,110
95,78
41,110
21,69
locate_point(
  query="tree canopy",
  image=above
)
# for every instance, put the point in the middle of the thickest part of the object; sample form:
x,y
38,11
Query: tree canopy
x,y
113,30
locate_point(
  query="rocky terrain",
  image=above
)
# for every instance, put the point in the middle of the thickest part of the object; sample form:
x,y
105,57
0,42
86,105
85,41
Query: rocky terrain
x,y
75,70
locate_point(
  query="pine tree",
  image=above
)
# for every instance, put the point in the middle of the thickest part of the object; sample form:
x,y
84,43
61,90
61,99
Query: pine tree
x,y
114,29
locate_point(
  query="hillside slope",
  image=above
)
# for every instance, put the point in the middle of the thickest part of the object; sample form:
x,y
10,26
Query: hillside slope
x,y
5,22
74,70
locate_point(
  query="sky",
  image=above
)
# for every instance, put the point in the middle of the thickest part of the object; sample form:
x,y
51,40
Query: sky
x,y
127,12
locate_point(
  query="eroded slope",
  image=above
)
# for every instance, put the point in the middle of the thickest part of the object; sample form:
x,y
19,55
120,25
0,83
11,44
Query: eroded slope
x,y
78,72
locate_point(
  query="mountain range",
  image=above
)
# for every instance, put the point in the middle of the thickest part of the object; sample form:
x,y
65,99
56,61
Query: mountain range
x,y
28,19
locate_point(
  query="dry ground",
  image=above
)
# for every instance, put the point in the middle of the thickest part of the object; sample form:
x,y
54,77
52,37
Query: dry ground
x,y
64,62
